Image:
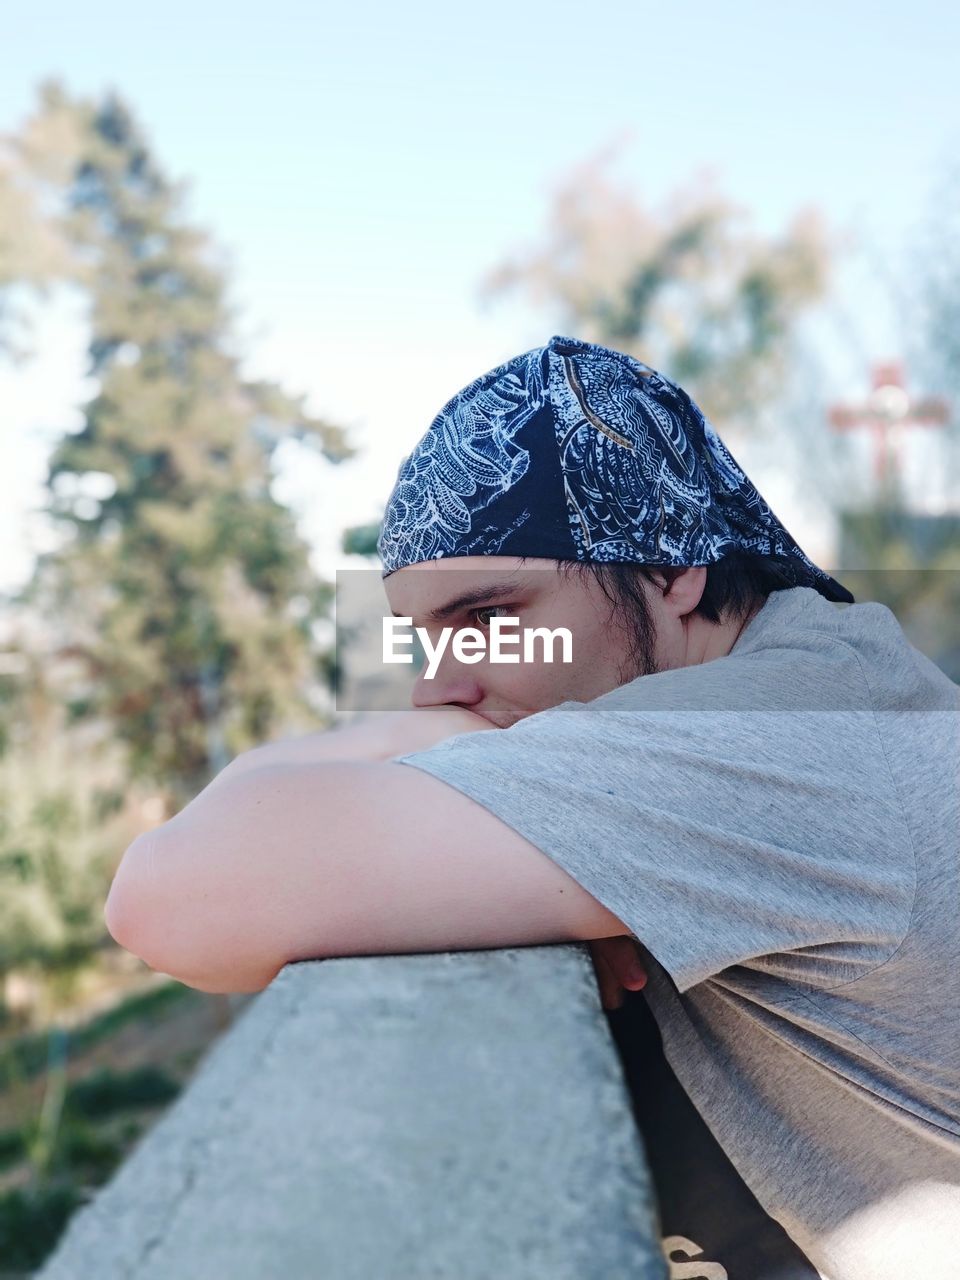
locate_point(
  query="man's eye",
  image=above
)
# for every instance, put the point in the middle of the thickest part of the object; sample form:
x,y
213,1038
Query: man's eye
x,y
508,612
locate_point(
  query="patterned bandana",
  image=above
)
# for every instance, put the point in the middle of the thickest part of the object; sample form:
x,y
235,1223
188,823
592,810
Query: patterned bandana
x,y
573,451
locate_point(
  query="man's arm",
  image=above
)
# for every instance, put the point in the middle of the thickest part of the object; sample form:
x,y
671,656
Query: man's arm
x,y
342,859
374,736
279,862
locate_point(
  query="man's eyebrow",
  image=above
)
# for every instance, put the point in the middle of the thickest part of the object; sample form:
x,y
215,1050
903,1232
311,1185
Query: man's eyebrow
x,y
479,595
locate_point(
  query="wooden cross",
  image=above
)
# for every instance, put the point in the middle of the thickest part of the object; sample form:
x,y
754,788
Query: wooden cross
x,y
887,408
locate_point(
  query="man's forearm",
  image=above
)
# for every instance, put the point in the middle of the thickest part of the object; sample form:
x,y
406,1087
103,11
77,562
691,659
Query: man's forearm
x,y
376,737
366,739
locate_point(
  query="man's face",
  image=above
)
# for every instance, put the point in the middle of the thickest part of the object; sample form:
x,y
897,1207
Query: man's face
x,y
536,593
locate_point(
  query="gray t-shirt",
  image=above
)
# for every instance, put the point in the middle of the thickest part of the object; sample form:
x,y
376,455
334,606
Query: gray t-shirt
x,y
780,828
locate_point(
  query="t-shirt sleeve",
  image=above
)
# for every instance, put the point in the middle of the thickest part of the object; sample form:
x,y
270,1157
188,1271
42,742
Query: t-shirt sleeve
x,y
718,837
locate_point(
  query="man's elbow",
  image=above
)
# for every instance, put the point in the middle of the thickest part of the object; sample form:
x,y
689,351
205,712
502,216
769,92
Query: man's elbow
x,y
126,911
151,917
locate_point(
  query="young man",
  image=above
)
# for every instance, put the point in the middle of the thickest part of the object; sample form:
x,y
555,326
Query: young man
x,y
752,791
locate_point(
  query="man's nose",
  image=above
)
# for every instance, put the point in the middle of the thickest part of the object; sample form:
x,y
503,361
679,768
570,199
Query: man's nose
x,y
452,681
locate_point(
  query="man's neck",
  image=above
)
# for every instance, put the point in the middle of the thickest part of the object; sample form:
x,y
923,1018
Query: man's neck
x,y
720,638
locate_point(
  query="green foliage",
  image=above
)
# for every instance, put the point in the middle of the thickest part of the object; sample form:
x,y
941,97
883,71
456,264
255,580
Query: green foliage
x,y
27,1056
84,1154
84,1157
58,850
81,1152
82,1148
360,540
106,1092
31,1222
12,1147
34,253
910,563
88,1139
183,587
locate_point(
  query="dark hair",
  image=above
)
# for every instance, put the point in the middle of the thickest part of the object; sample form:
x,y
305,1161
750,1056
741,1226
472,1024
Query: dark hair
x,y
734,586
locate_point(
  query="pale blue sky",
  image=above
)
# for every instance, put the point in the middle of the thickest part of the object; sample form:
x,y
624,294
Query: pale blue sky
x,y
364,164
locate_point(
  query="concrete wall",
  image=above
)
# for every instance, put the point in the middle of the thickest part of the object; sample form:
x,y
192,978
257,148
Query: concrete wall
x,y
455,1116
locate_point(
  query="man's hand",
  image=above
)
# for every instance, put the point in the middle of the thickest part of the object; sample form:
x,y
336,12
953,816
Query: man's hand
x,y
618,966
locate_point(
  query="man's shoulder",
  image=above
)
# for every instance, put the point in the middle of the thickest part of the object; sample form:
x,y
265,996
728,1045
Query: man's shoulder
x,y
800,652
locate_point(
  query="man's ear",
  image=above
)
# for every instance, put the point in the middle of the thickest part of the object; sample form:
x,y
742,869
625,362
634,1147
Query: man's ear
x,y
683,587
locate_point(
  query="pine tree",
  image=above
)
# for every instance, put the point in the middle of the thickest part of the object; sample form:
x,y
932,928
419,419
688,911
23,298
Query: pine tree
x,y
182,587
34,254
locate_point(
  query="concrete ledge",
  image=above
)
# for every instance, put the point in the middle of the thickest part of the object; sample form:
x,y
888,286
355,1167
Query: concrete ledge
x,y
456,1116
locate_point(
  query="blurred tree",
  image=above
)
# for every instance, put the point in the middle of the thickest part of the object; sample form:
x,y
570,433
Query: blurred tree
x,y
691,291
13,694
360,540
933,274
182,588
929,299
34,252
65,816
911,558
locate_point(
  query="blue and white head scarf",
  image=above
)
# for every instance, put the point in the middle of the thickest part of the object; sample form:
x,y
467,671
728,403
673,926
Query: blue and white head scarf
x,y
574,451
